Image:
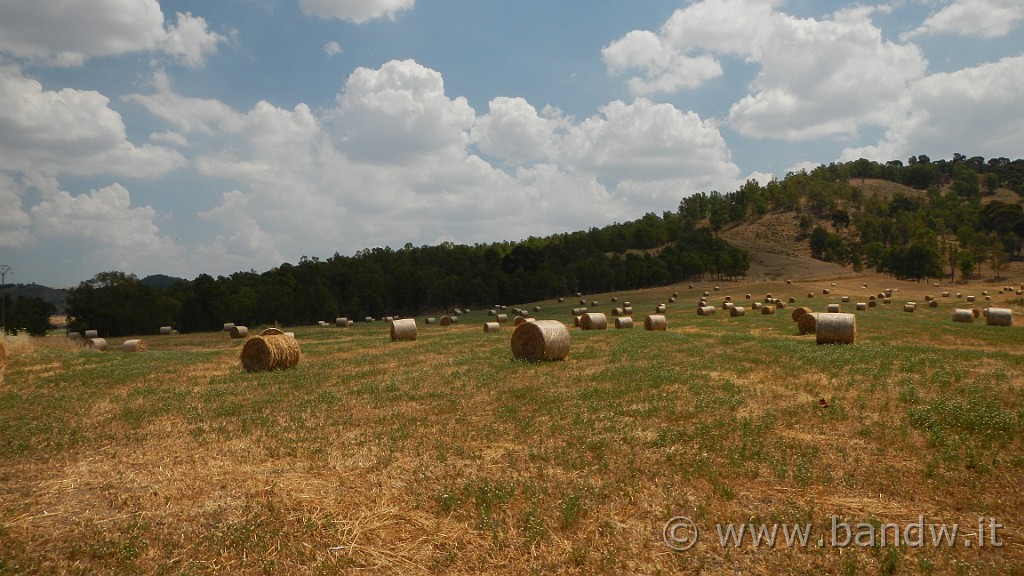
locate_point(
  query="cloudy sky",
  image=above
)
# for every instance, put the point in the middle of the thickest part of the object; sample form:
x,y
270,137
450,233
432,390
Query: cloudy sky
x,y
196,136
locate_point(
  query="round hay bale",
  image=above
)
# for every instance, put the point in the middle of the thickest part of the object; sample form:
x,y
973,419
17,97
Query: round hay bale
x,y
623,322
988,298
872,303
780,305
963,315
833,284
368,319
748,296
789,281
984,292
135,345
615,298
92,334
454,319
798,312
970,298
909,307
576,321
792,300
933,303
594,303
737,311
768,309
672,300
655,322
228,326
945,294
887,300
561,300
540,340
862,306
844,299
810,294
166,330
502,318
928,298
728,305
520,319
832,309
660,308
768,297
579,311
270,352
824,290
999,317
272,332
705,294
97,344
728,298
616,312
705,311
627,304
756,306
404,329
676,294
717,287
833,328
627,310
239,331
807,322
492,327
446,320
341,322
430,320
594,321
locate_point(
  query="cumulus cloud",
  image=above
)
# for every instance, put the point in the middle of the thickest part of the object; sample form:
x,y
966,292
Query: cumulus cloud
x,y
357,11
189,115
332,49
513,130
69,131
14,221
68,33
664,68
985,18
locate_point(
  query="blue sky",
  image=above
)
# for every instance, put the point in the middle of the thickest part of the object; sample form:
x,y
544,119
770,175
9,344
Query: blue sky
x,y
187,137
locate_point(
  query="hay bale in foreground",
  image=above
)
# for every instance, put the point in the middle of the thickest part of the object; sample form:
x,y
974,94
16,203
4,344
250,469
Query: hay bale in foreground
x,y
593,321
97,344
807,323
135,345
623,322
404,329
540,340
831,328
999,317
239,331
798,312
492,327
737,311
655,322
271,350
963,315
166,330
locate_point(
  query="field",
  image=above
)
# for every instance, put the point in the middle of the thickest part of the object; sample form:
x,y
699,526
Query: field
x,y
444,455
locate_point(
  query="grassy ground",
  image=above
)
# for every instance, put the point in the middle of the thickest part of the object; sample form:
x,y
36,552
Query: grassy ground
x,y
444,455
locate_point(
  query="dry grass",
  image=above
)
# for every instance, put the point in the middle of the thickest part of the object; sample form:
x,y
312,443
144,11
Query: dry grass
x,y
443,455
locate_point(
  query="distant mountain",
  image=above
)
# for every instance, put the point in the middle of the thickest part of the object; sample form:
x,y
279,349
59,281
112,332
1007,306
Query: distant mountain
x,y
56,296
160,281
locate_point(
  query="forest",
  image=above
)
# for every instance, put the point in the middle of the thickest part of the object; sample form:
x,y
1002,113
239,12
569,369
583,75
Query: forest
x,y
946,224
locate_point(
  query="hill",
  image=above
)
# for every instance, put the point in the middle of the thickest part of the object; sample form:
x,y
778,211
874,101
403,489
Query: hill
x,y
56,296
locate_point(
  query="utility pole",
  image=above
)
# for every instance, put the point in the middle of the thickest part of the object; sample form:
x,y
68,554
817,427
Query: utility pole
x,y
4,269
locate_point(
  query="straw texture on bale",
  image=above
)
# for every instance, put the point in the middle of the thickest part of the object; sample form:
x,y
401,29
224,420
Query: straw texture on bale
x,y
779,304
98,344
239,331
862,305
520,319
404,329
540,340
999,317
767,309
798,312
963,315
270,351
623,322
832,309
165,330
135,345
92,334
492,327
737,311
909,307
835,328
616,311
705,310
576,321
594,321
655,322
806,323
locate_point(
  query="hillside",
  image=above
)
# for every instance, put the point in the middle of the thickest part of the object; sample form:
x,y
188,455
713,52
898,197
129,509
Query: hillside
x,y
776,253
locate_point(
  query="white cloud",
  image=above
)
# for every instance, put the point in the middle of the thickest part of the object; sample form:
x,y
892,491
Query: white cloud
x,y
69,131
664,67
358,11
189,115
332,49
515,132
985,18
978,107
14,222
67,33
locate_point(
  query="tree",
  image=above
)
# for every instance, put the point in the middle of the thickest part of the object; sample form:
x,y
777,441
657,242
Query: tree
x,y
965,262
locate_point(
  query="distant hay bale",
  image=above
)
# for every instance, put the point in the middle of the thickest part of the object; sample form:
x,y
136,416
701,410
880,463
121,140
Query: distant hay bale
x,y
623,322
576,321
792,300
717,287
807,322
627,310
970,298
448,320
492,327
844,299
824,290
988,298
561,300
909,307
540,340
705,310
270,351
737,311
227,327
705,294
239,331
748,296
341,322
832,309
999,317
368,319
92,334
166,330
928,297
933,303
945,294
780,305
810,294
404,329
579,311
135,345
862,306
660,308
672,300
887,300
655,322
535,309
728,305
798,312
984,292
594,303
615,298
767,309
616,312
627,304
756,306
789,281
833,284
502,318
872,303
832,328
97,344
728,299
594,321
676,294
963,315
520,319
431,320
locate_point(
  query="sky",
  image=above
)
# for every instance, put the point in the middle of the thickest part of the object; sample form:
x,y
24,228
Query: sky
x,y
185,137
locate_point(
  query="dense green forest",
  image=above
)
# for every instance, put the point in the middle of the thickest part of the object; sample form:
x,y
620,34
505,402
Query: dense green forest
x,y
943,226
